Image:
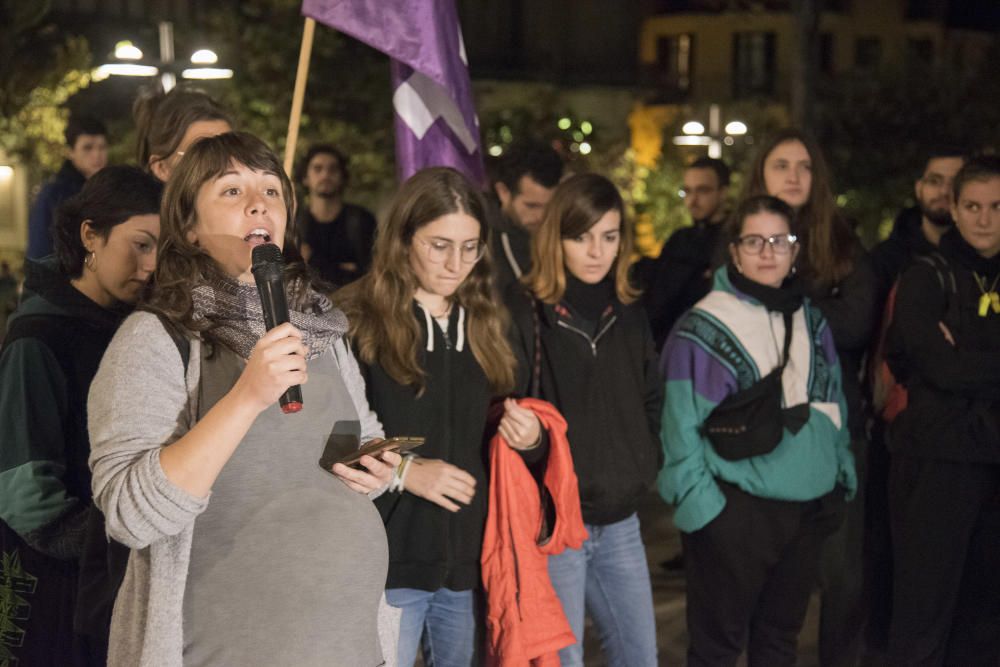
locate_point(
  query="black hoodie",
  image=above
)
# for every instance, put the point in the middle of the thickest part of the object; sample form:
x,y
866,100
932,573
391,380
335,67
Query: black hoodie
x,y
54,343
430,547
954,390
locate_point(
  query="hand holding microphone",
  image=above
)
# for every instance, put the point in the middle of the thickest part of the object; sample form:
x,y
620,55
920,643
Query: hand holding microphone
x,y
278,361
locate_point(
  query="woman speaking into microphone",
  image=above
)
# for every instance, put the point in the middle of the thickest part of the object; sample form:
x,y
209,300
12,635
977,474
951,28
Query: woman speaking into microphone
x,y
245,550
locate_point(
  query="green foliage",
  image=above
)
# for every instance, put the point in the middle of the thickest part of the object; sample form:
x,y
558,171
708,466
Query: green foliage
x,y
348,99
548,120
877,132
40,69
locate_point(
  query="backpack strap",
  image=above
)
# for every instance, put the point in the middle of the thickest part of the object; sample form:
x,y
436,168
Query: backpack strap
x,y
941,266
949,286
180,340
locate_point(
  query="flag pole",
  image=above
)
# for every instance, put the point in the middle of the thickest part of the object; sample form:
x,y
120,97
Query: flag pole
x,y
299,94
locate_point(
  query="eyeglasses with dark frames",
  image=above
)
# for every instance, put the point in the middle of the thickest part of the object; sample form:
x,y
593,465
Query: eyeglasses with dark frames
x,y
781,244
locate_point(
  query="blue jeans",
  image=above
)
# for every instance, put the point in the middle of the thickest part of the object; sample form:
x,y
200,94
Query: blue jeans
x,y
608,578
444,619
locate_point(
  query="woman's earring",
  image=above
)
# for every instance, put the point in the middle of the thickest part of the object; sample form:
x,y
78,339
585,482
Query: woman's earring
x,y
90,261
794,270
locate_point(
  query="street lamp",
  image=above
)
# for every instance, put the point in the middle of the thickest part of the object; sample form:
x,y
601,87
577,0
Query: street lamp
x,y
693,127
695,135
165,67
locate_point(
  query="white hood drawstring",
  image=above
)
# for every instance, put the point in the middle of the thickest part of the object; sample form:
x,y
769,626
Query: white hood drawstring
x,y
430,327
461,329
429,321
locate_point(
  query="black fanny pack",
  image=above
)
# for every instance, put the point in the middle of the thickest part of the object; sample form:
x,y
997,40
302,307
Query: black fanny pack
x,y
751,422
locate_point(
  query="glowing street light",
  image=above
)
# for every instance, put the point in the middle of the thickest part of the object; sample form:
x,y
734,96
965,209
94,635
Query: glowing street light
x,y
204,57
695,135
693,127
165,68
123,69
736,128
126,50
204,73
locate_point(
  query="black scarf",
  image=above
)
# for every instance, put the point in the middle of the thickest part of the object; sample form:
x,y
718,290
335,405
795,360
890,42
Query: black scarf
x,y
785,299
589,300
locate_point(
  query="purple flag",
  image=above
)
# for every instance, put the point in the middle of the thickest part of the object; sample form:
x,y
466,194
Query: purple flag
x,y
436,122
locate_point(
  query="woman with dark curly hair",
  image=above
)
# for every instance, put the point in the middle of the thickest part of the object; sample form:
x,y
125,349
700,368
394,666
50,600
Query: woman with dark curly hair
x,y
245,550
105,241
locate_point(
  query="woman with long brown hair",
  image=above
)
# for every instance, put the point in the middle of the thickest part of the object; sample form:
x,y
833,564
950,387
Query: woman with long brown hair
x,y
244,550
577,317
837,275
168,123
431,339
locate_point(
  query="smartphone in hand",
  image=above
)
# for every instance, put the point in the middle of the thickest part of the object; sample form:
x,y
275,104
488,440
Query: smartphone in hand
x,y
398,444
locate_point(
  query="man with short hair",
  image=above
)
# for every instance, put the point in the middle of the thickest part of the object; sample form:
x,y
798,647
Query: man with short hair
x,y
918,229
527,175
86,154
336,236
916,232
681,275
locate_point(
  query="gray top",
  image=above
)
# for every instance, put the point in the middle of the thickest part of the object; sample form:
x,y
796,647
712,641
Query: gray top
x,y
141,400
299,554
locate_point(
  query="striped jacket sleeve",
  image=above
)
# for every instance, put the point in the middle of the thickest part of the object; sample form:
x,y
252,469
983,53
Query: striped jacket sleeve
x,y
696,381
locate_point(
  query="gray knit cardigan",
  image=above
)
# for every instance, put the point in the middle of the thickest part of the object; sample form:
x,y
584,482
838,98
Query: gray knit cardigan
x,y
139,402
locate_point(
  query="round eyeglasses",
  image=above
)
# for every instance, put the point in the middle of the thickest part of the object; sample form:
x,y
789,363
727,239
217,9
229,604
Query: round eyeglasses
x,y
781,244
439,251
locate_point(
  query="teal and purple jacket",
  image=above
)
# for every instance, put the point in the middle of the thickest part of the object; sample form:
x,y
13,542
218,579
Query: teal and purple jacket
x,y
726,343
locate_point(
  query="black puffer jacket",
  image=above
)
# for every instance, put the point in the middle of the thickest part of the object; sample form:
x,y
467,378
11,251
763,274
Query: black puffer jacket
x,y
609,389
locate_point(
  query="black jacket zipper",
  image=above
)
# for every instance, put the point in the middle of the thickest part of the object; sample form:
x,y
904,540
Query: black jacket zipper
x,y
592,341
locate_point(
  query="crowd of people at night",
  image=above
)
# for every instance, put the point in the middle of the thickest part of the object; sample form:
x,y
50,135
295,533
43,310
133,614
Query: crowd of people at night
x,y
821,418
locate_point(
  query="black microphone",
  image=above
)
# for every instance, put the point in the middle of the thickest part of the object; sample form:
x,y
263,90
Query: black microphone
x,y
268,272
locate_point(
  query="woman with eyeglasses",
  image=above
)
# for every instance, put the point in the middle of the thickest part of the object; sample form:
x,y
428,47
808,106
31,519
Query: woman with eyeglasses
x,y
754,505
836,273
576,317
431,338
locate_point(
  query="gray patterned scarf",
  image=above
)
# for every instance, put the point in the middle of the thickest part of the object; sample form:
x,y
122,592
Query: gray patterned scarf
x,y
232,314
